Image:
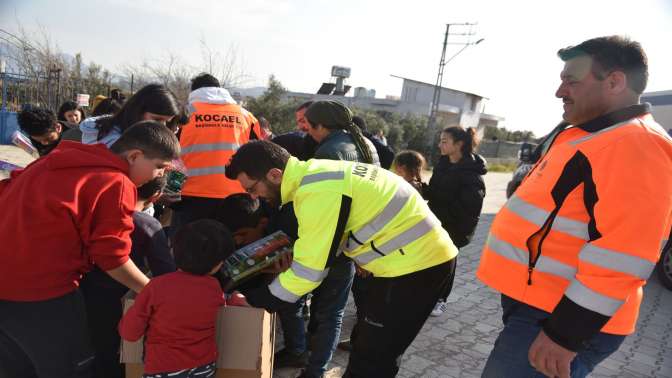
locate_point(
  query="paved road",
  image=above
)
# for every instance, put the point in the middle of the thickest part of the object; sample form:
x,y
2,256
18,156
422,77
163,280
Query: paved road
x,y
458,343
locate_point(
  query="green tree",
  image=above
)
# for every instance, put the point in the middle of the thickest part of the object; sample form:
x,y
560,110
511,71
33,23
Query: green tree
x,y
280,114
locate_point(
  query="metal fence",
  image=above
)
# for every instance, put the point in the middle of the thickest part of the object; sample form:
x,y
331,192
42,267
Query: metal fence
x,y
499,149
42,90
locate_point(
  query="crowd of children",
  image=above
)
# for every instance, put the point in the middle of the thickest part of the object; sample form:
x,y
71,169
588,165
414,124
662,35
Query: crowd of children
x,y
80,235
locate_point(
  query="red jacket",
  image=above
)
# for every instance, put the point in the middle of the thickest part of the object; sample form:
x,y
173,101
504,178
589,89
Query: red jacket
x,y
60,214
177,313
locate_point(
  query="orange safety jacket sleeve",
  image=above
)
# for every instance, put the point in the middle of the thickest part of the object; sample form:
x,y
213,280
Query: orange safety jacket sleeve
x,y
626,186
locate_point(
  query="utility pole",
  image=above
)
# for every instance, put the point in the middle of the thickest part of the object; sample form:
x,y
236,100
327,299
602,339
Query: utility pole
x,y
439,79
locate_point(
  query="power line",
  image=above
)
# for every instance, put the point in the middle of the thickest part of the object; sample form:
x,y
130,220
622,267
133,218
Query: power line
x,y
442,63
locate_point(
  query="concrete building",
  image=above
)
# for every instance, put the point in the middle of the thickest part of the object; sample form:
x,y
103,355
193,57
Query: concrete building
x,y
661,108
416,97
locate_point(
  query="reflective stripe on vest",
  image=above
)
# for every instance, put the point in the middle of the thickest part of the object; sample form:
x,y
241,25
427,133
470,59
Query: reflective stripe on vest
x,y
598,133
307,273
398,242
280,292
401,196
322,176
592,300
538,216
210,147
617,261
544,264
192,172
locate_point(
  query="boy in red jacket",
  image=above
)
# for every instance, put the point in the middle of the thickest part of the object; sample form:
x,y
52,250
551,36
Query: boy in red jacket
x,y
63,213
177,312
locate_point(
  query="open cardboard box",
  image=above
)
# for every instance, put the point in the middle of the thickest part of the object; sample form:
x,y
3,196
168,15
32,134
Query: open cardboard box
x,y
245,341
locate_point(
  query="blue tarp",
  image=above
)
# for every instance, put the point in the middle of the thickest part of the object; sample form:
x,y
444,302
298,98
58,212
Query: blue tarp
x,y
8,124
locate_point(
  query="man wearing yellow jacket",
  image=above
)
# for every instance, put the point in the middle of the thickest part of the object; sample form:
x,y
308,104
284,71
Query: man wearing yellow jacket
x,y
572,248
372,216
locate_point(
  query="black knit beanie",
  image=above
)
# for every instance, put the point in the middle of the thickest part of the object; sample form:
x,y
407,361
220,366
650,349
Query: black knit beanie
x,y
330,114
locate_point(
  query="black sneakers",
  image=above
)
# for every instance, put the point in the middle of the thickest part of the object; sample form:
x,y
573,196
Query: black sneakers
x,y
285,358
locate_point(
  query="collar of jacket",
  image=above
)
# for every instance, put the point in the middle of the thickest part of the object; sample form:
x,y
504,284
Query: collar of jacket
x,y
335,134
211,95
290,179
617,116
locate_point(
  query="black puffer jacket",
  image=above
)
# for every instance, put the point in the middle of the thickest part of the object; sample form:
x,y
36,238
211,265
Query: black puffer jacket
x,y
455,195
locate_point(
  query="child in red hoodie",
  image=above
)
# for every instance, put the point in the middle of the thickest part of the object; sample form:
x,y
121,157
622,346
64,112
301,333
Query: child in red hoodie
x,y
64,212
177,312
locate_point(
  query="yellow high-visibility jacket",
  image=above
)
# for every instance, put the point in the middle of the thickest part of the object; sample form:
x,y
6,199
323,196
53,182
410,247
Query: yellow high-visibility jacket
x,y
370,214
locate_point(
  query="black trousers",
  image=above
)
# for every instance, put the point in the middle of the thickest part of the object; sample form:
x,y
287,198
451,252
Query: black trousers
x,y
104,311
359,287
394,312
446,291
45,339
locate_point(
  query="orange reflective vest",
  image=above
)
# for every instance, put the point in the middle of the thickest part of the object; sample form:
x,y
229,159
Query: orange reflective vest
x,y
214,133
581,235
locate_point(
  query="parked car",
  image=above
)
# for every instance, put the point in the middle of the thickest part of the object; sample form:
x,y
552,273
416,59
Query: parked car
x,y
664,266
525,155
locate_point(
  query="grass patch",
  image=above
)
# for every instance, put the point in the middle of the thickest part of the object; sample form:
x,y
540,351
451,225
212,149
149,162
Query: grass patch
x,y
502,167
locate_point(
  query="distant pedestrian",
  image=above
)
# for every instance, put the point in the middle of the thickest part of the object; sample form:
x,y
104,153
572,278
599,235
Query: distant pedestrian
x,y
456,190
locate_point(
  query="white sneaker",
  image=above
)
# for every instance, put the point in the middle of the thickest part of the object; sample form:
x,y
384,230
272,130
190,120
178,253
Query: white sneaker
x,y
439,308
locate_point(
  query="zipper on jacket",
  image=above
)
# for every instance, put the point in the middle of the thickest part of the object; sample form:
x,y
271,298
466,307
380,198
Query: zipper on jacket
x,y
544,230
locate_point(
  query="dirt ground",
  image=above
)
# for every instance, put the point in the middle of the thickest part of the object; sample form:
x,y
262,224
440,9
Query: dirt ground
x,y
14,155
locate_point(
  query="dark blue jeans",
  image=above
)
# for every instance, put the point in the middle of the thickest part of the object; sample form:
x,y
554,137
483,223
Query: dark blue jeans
x,y
327,307
522,324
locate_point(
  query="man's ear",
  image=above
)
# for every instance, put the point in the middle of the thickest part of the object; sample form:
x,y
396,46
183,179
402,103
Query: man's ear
x,y
274,175
617,81
58,127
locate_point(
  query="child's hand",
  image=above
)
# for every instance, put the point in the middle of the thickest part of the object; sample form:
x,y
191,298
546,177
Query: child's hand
x,y
361,272
237,299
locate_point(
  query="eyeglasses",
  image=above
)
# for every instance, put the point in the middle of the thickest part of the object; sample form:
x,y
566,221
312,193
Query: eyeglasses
x,y
250,190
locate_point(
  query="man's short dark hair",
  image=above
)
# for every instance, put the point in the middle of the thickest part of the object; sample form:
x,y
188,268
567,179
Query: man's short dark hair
x,y
204,80
613,53
238,211
200,245
36,121
152,187
305,105
154,139
256,158
360,122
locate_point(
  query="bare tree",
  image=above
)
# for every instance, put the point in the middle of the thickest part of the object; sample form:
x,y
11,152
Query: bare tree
x,y
227,66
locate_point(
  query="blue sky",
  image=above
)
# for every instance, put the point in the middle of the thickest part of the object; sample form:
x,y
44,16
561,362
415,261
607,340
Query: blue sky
x,y
298,41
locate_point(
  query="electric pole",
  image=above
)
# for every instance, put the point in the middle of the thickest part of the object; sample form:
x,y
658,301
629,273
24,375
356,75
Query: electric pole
x,y
439,78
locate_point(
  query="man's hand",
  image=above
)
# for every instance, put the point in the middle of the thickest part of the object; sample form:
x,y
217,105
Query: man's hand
x,y
550,358
361,272
281,264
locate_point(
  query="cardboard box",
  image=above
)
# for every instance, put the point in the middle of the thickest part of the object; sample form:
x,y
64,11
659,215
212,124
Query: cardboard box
x,y
245,341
